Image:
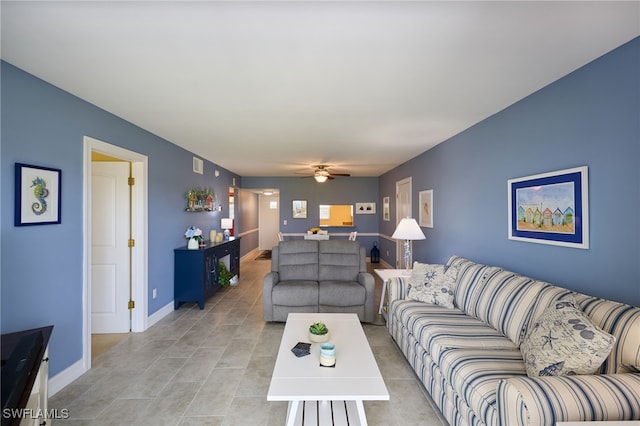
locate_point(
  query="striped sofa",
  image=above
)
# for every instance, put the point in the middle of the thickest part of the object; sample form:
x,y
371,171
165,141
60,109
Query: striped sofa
x,y
469,358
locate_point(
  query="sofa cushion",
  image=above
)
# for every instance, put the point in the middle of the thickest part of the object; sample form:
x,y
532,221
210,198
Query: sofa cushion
x,y
295,293
339,260
547,295
475,373
437,329
432,284
505,301
297,260
341,293
470,281
564,341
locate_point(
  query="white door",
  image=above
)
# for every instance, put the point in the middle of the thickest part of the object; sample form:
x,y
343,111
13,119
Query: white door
x,y
268,221
110,212
403,209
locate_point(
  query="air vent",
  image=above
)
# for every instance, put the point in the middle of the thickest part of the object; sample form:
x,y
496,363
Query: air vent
x,y
198,165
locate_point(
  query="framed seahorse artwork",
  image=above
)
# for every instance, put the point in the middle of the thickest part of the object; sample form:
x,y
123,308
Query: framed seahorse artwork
x,y
37,200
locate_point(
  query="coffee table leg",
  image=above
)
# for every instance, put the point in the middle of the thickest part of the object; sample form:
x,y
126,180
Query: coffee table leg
x,y
292,412
363,417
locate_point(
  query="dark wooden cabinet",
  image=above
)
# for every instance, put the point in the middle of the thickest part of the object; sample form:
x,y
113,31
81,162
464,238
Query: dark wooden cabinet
x,y
25,376
196,272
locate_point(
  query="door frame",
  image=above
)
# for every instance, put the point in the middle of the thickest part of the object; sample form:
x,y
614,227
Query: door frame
x,y
139,260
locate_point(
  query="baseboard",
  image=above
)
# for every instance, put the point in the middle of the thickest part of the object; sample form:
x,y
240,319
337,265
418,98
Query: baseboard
x,y
381,265
159,314
66,377
251,255
71,373
386,265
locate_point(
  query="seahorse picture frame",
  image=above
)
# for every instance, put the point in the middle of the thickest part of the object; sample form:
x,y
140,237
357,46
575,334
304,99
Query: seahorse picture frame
x,y
37,195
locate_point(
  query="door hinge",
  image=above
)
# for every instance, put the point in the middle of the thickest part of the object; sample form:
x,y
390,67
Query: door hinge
x,y
131,304
131,242
132,181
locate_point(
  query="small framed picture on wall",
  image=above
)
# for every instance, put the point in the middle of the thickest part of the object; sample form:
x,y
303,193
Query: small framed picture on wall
x,y
385,209
299,209
37,195
426,208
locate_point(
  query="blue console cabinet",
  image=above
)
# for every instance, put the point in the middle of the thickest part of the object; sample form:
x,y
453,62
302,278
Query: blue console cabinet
x,y
196,271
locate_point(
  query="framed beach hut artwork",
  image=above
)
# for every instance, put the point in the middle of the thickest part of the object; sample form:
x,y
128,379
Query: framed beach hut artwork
x,y
550,208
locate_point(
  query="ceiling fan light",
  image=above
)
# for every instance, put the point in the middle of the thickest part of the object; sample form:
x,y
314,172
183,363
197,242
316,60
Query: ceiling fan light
x,y
320,178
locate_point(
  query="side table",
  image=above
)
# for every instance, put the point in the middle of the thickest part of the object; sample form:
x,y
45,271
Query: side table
x,y
386,275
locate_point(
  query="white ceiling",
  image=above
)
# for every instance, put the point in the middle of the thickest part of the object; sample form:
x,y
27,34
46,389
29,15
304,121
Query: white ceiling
x,y
267,88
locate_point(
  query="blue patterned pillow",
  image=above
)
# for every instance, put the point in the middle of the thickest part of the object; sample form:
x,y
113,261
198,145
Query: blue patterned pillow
x,y
432,284
564,341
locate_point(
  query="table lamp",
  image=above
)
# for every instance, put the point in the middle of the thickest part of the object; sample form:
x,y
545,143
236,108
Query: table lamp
x,y
226,224
408,230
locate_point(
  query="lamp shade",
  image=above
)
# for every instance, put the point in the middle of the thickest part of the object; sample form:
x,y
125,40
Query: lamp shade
x,y
226,223
320,178
408,229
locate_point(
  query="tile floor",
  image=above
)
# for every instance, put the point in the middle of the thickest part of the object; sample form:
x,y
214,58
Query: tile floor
x,y
213,367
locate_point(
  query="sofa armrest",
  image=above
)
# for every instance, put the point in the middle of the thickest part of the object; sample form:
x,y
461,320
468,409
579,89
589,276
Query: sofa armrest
x,y
369,283
268,282
547,400
397,288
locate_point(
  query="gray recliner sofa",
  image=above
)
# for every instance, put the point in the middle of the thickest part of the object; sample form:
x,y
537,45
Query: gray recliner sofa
x,y
318,276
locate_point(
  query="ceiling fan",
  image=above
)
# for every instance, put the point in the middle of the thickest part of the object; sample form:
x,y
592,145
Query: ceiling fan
x,y
322,173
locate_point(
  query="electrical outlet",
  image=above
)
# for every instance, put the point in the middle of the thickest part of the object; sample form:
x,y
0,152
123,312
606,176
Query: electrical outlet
x,y
284,222
155,293
387,253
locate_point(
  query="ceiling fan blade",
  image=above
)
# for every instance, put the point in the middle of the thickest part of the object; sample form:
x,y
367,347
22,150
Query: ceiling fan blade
x,y
340,174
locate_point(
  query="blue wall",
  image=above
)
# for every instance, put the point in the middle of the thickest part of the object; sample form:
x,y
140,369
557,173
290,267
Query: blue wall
x,y
42,265
342,190
589,118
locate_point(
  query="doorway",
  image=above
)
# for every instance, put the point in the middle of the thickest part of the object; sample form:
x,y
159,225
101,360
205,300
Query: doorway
x,y
268,220
403,209
136,239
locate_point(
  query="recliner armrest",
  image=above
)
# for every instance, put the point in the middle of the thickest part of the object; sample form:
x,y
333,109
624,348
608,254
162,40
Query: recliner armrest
x,y
368,282
269,281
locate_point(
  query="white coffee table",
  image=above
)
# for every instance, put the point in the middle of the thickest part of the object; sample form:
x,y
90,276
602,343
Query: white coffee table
x,y
331,394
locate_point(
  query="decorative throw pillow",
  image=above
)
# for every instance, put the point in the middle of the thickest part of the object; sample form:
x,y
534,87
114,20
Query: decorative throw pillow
x,y
564,341
432,284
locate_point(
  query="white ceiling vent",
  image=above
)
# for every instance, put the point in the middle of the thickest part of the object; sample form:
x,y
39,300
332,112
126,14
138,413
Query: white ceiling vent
x,y
198,165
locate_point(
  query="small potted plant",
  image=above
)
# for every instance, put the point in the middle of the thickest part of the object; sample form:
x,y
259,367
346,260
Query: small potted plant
x,y
224,275
318,332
